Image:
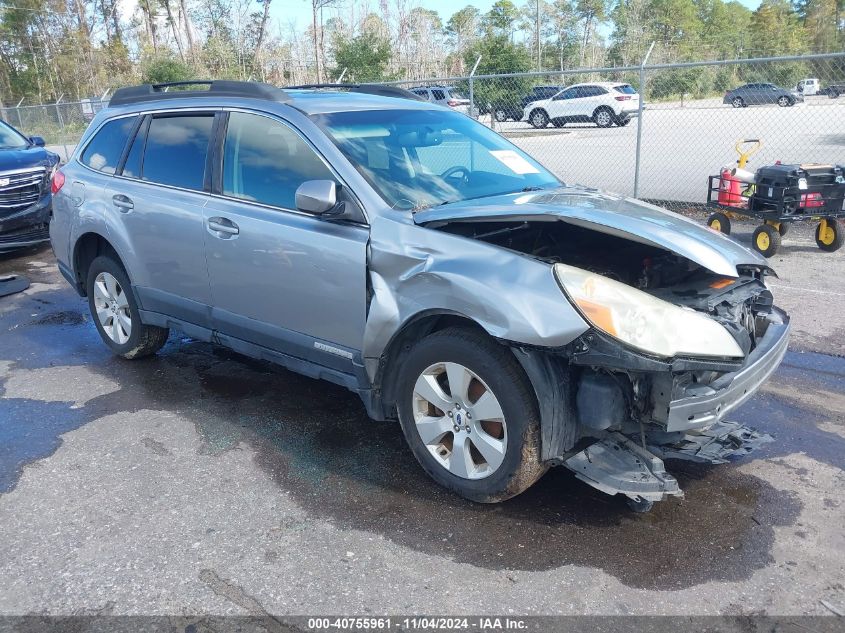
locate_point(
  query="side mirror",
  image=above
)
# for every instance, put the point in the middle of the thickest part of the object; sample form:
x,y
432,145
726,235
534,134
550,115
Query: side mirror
x,y
316,196
38,141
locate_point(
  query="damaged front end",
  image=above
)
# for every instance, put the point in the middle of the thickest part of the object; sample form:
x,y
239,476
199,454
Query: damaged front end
x,y
623,396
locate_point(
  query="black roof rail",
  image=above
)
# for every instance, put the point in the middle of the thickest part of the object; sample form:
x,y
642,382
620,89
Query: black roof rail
x,y
216,88
370,89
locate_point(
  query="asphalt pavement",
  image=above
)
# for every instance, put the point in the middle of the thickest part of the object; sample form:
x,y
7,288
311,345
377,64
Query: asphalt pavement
x,y
199,481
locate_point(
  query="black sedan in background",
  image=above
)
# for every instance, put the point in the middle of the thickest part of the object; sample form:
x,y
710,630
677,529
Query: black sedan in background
x,y
760,94
26,169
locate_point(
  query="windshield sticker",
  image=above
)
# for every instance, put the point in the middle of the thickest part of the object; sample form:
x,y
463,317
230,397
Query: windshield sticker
x,y
513,161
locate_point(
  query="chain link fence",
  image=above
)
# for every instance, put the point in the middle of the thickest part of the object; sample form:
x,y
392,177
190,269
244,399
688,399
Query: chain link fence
x,y
655,132
61,124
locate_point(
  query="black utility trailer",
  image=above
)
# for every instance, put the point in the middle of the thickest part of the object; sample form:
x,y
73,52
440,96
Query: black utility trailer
x,y
779,196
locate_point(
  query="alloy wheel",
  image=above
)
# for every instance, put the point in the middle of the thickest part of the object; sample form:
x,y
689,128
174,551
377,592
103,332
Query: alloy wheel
x,y
112,308
460,420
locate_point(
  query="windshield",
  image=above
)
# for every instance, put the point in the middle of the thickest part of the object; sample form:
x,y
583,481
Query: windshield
x,y
10,138
417,159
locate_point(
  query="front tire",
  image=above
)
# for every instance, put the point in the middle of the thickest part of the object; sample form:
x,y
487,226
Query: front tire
x,y
785,102
469,415
500,115
539,119
116,314
766,240
720,222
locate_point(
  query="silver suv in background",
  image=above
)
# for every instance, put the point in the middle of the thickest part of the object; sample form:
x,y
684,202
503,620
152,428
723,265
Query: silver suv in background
x,y
444,96
508,322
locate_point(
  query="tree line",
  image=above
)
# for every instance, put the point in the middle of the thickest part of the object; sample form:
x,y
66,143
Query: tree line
x,y
74,49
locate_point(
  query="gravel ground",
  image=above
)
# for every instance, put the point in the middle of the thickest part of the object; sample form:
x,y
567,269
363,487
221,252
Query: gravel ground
x,y
199,481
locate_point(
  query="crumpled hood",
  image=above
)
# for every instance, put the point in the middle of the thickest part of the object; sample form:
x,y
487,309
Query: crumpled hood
x,y
607,213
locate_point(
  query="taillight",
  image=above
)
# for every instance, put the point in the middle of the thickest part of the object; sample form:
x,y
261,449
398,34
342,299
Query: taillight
x,y
812,200
57,182
623,97
453,103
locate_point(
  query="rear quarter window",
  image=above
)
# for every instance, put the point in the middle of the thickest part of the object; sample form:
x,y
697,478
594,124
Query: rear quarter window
x,y
625,90
104,150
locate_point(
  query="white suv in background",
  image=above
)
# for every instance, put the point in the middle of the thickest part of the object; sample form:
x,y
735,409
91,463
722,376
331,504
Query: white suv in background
x,y
603,103
445,96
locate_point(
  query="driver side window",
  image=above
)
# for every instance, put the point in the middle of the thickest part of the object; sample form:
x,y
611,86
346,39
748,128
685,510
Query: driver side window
x,y
265,161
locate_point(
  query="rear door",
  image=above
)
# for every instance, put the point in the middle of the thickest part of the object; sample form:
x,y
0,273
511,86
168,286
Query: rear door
x,y
158,200
281,278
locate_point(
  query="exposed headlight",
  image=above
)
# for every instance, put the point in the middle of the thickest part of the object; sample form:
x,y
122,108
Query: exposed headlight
x,y
642,321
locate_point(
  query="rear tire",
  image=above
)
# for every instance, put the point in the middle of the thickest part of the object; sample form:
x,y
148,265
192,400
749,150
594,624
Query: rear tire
x,y
766,240
500,115
832,238
115,312
738,102
603,117
539,119
833,93
783,229
482,437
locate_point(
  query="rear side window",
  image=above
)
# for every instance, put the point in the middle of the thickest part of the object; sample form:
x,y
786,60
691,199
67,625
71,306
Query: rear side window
x,y
593,91
105,149
265,161
176,150
132,167
625,89
438,95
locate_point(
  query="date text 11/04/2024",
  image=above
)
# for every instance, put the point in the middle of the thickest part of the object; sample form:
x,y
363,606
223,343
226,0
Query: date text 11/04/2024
x,y
417,623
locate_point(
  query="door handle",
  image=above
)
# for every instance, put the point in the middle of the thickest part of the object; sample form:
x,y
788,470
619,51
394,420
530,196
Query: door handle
x,y
222,228
123,203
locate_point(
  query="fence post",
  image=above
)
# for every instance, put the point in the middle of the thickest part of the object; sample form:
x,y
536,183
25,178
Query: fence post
x,y
640,122
61,123
20,119
471,93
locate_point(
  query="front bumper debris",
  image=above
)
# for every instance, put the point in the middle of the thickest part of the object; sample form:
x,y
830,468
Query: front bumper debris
x,y
714,445
617,465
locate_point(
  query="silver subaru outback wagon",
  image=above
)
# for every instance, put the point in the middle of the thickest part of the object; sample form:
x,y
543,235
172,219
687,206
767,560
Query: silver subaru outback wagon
x,y
508,321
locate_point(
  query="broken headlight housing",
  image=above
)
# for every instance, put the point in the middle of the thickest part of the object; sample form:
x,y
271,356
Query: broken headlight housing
x,y
643,321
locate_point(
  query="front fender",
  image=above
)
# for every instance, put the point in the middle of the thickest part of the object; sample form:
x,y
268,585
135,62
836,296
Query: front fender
x,y
414,270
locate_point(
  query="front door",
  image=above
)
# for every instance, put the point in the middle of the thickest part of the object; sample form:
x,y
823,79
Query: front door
x,y
280,278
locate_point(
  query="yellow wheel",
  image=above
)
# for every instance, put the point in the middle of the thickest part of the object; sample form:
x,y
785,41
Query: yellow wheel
x,y
766,240
829,235
720,222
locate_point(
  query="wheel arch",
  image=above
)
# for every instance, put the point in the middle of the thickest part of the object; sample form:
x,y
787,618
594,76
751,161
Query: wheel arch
x,y
86,249
413,329
548,376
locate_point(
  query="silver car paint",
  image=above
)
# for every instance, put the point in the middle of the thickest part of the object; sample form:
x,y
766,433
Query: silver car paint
x,y
415,270
616,215
412,269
